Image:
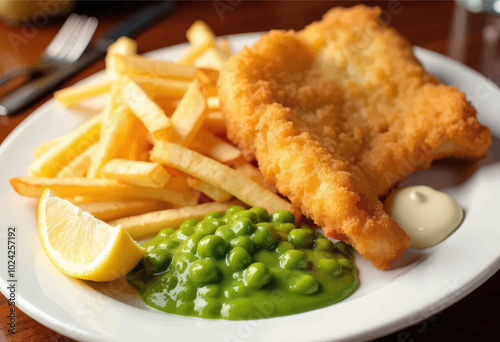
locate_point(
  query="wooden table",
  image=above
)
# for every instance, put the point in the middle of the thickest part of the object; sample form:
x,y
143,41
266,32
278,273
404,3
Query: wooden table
x,y
426,24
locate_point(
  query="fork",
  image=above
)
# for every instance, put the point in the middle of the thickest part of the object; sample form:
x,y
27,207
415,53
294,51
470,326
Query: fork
x,y
66,47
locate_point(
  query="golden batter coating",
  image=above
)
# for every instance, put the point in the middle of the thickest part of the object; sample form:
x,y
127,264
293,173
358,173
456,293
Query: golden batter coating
x,y
338,113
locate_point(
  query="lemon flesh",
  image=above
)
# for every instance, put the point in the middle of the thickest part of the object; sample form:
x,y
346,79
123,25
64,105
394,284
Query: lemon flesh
x,y
82,246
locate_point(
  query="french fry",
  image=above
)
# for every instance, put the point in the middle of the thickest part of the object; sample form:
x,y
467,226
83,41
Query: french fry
x,y
162,86
201,37
112,210
250,171
46,146
208,78
178,183
79,166
219,175
215,123
189,115
199,33
224,46
137,145
193,52
74,143
114,101
151,115
140,66
140,173
123,46
75,94
213,103
208,189
151,223
214,147
210,54
99,190
211,58
114,133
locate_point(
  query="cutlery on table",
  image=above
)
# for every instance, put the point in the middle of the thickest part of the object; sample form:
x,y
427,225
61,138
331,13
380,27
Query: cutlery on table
x,y
29,92
66,47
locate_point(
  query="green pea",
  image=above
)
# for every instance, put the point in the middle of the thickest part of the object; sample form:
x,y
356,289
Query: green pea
x,y
284,246
238,258
184,232
300,237
168,281
257,275
208,308
192,242
225,232
182,262
284,227
184,307
294,259
243,226
237,309
213,215
245,214
264,235
329,266
233,210
262,214
283,216
204,271
169,244
149,248
158,260
344,248
166,232
212,246
236,289
189,223
185,290
304,285
346,263
149,245
323,245
209,291
181,265
244,242
209,226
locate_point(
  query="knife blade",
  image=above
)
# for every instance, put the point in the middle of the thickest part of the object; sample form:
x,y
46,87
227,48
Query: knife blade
x,y
31,91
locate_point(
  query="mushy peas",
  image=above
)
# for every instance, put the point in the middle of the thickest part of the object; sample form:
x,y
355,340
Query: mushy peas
x,y
244,264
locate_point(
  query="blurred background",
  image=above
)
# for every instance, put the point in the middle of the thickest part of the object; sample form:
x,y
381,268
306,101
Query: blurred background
x,y
466,30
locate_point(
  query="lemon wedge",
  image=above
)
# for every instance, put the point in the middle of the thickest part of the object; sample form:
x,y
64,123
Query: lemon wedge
x,y
82,246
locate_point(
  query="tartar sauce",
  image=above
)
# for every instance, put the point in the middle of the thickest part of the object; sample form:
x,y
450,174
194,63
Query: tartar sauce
x,y
428,216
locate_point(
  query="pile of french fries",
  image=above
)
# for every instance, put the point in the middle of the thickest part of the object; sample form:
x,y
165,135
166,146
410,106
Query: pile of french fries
x,y
157,144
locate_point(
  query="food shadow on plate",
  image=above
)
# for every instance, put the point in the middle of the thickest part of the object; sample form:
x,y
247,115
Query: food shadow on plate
x,y
119,290
493,155
410,259
450,172
371,279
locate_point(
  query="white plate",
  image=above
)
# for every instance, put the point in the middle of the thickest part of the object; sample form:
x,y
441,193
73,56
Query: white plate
x,y
419,285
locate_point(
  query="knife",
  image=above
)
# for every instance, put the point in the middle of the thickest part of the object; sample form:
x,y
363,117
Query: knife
x,y
31,91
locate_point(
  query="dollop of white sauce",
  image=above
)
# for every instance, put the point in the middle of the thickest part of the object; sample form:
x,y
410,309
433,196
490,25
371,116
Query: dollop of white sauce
x,y
428,216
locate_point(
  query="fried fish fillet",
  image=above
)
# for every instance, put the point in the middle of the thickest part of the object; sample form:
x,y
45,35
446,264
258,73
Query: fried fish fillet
x,y
338,113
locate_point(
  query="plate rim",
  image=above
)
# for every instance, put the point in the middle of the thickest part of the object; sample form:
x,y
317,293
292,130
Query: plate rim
x,y
387,327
